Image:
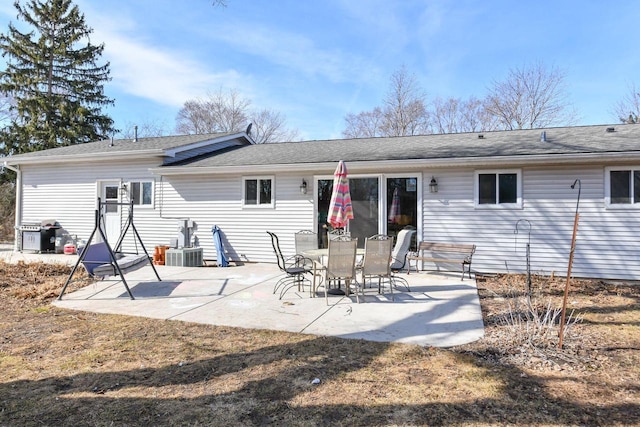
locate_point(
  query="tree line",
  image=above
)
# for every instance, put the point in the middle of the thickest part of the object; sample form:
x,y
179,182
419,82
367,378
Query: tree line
x,y
531,96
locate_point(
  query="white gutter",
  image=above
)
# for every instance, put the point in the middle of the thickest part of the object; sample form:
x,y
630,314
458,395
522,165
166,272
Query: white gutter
x,y
381,165
18,214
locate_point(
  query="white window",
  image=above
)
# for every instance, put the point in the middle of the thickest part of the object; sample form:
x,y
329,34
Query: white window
x,y
622,188
258,191
141,192
501,188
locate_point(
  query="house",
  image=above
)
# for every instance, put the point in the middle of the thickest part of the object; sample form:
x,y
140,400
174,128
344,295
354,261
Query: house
x,y
499,190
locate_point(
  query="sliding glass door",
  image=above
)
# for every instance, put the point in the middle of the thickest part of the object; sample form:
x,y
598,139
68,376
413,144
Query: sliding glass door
x,y
402,204
397,209
365,197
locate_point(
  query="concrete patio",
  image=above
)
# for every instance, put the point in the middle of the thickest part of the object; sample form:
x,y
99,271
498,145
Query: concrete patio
x,y
441,310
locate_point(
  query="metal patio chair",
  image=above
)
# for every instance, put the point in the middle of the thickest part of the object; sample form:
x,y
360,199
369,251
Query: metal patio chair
x,y
294,267
376,262
305,240
336,233
341,265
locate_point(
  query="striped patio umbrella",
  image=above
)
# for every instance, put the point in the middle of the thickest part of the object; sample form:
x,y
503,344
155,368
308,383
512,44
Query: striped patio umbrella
x,y
394,212
340,209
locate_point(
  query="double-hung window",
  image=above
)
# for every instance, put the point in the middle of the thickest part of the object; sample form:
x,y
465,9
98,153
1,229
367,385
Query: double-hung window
x,y
622,187
498,189
141,192
258,191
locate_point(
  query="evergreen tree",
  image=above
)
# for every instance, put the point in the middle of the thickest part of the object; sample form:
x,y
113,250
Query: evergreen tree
x,y
54,79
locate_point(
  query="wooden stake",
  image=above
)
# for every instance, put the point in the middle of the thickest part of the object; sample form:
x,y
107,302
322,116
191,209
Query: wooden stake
x,y
566,288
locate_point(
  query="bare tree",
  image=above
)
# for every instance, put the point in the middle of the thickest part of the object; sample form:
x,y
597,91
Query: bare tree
x,y
367,124
455,115
530,97
446,115
628,109
403,112
270,126
144,129
219,112
476,117
230,112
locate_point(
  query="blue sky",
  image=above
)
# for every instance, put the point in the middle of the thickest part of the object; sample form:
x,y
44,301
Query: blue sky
x,y
316,61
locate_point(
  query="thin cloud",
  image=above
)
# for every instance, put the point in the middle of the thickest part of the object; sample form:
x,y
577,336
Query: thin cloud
x,y
148,70
162,76
294,51
157,75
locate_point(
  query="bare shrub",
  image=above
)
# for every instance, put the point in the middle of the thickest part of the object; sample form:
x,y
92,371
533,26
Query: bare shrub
x,y
533,323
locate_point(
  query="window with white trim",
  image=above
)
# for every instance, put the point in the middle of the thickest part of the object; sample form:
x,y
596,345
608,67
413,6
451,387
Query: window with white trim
x,y
141,192
498,188
258,191
622,187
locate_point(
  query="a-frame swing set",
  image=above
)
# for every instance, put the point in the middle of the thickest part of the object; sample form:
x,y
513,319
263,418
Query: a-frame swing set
x,y
101,259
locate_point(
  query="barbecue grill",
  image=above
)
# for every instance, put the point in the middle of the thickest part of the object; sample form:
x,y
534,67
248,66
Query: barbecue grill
x,y
39,236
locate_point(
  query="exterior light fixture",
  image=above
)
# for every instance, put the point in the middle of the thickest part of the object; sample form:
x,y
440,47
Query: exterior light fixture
x,y
303,187
433,185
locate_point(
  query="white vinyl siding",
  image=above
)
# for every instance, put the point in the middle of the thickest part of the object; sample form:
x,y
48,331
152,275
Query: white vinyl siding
x,y
217,200
607,245
70,197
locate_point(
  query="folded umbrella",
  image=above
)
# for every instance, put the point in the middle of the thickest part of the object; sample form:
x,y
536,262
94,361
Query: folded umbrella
x,y
340,209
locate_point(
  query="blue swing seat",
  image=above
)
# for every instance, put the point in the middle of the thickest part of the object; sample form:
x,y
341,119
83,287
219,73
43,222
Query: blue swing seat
x,y
99,263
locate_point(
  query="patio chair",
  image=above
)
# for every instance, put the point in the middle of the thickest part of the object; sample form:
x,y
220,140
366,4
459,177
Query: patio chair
x,y
305,240
294,267
377,253
401,249
399,254
336,233
341,265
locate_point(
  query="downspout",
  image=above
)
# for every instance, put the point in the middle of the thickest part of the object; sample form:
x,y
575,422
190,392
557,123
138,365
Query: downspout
x,y
18,215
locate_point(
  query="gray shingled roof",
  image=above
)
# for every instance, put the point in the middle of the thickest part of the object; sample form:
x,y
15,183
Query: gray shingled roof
x,y
559,141
123,146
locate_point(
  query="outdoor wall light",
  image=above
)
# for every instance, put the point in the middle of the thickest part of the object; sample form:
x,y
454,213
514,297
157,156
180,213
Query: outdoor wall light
x,y
433,185
303,187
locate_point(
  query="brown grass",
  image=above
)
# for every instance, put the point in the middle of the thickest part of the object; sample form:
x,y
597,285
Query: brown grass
x,y
72,368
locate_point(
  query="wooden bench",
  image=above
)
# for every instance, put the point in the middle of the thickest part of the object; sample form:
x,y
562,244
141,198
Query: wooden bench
x,y
443,253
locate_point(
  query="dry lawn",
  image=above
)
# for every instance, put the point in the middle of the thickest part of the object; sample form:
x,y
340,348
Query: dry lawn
x,y
67,368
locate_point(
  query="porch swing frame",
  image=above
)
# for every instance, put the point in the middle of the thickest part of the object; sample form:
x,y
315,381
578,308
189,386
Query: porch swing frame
x,y
112,267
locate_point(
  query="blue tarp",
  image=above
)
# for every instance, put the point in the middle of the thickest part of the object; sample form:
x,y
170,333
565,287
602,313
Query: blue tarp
x,y
217,240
